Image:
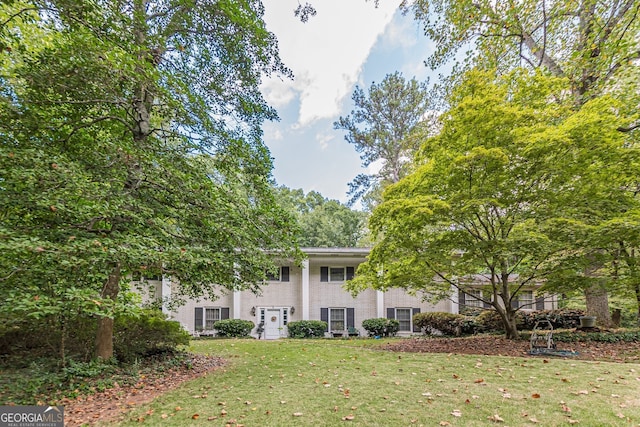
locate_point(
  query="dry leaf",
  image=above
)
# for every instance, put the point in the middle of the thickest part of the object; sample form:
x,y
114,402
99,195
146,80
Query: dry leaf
x,y
495,418
195,416
297,414
348,418
573,421
535,396
456,413
533,420
479,380
445,423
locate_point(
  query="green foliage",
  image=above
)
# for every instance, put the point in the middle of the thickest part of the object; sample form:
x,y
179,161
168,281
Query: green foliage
x,y
131,143
147,334
323,223
620,335
381,327
440,322
233,328
379,128
307,329
496,197
560,319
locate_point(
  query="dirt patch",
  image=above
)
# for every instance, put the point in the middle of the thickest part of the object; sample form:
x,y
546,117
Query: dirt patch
x,y
498,346
112,404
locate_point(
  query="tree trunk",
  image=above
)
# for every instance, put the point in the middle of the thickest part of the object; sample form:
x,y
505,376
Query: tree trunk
x,y
598,305
509,322
637,289
104,335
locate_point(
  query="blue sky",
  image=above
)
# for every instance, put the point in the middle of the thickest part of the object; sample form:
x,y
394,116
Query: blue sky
x,y
347,43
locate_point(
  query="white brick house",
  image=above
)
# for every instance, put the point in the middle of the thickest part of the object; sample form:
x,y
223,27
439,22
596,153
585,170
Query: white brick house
x,y
313,291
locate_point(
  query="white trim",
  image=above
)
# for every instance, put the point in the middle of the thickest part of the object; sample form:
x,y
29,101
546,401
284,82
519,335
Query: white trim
x,y
305,290
380,304
237,295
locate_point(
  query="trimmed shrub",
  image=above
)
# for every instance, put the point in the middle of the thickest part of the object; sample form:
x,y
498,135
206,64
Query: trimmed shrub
x,y
560,319
381,327
146,334
234,328
446,323
307,329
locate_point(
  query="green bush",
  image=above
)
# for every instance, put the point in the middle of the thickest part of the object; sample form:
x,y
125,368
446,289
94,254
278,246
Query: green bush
x,y
621,335
445,323
560,319
149,333
234,328
381,327
307,329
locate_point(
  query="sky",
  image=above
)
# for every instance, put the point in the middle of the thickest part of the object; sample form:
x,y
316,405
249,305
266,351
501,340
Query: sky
x,y
348,43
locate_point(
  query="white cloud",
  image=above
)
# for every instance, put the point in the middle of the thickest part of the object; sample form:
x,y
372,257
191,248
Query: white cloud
x,y
324,139
327,53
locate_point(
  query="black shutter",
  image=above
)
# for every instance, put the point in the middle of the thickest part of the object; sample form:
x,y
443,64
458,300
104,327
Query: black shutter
x,y
351,317
415,311
461,298
198,319
284,275
391,313
324,274
350,273
324,316
224,313
540,303
514,302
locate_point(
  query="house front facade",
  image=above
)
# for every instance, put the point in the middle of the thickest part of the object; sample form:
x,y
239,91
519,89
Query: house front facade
x,y
312,291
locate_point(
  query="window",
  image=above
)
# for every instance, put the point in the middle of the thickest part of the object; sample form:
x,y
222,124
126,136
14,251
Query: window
x,y
282,275
211,316
206,317
336,274
403,315
337,319
525,299
472,298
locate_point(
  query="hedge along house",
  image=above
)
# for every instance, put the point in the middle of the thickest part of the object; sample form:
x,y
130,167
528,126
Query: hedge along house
x,y
312,291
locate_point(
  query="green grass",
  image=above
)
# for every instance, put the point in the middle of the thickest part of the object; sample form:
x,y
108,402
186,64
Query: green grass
x,y
328,382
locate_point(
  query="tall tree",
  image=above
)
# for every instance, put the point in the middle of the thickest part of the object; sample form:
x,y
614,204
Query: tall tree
x,y
324,222
593,44
378,128
131,142
491,203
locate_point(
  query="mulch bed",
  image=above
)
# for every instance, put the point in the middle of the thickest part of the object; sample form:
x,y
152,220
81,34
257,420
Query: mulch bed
x,y
112,404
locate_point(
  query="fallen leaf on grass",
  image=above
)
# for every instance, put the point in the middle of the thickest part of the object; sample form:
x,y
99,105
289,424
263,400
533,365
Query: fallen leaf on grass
x,y
495,418
297,414
535,396
195,416
573,421
534,420
456,413
348,418
445,423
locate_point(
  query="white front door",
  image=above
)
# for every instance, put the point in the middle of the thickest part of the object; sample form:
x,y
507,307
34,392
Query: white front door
x,y
273,325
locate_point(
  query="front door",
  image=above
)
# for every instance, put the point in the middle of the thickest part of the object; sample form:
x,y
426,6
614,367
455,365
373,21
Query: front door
x,y
273,326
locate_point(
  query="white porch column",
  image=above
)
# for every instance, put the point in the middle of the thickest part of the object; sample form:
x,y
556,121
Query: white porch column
x,y
165,294
236,305
305,290
380,304
455,301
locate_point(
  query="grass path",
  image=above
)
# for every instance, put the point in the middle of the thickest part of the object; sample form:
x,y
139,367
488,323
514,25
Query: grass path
x,y
349,382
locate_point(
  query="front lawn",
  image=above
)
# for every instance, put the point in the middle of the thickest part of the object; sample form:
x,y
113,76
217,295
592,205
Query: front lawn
x,y
352,382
